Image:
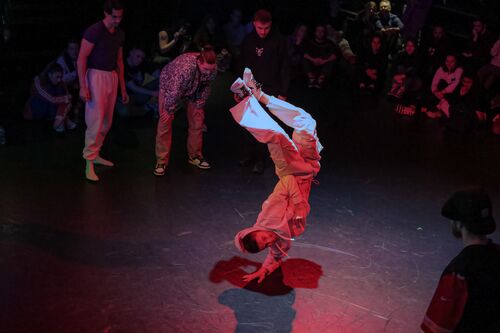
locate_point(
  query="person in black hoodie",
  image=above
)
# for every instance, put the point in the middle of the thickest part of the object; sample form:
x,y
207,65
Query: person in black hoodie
x,y
264,51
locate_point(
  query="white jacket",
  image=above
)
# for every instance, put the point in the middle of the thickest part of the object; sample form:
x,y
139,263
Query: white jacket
x,y
452,78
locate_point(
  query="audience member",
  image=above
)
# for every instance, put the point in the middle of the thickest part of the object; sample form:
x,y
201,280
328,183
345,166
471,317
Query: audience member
x,y
462,108
414,17
467,297
264,51
495,114
209,34
296,48
235,32
173,41
142,88
372,66
186,78
477,51
67,60
49,99
434,48
406,78
5,18
365,27
390,26
445,81
337,38
319,57
489,73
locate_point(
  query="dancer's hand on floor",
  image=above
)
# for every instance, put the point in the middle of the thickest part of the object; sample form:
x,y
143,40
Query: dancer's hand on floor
x,y
261,274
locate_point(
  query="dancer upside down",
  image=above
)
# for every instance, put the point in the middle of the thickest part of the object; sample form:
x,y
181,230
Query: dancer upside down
x,y
296,160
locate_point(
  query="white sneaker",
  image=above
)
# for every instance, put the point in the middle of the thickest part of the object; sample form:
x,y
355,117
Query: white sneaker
x,y
250,80
240,88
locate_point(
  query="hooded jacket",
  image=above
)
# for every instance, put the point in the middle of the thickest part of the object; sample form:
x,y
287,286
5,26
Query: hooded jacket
x,y
288,200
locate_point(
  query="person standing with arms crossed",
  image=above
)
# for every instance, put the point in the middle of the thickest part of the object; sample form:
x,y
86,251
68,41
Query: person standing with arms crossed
x,y
264,50
100,71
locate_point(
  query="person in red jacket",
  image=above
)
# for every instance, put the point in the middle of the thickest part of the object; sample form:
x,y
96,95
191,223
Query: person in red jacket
x,y
467,298
283,214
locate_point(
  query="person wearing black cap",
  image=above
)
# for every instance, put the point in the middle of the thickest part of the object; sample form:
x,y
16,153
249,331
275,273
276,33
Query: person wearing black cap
x,y
467,298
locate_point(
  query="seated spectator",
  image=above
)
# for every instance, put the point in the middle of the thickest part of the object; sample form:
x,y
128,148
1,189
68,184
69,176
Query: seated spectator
x,y
390,26
49,99
209,34
445,81
235,32
173,42
406,78
364,27
467,297
319,57
337,38
296,48
372,66
434,50
67,60
142,88
489,73
463,107
477,50
414,17
495,114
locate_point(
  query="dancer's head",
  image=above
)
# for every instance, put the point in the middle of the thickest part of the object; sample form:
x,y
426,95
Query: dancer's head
x,y
258,240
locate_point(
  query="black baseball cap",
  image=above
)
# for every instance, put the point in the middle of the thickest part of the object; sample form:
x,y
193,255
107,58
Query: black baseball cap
x,y
473,208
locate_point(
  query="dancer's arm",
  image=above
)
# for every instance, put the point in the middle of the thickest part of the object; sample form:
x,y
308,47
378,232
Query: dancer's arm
x,y
273,260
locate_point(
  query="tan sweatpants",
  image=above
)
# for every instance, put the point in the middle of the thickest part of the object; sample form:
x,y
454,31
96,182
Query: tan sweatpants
x,y
196,119
296,156
103,88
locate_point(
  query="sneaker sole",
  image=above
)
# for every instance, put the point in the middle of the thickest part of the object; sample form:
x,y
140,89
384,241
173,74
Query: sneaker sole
x,y
198,166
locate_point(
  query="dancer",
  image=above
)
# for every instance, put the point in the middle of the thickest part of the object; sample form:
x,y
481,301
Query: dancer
x,y
283,214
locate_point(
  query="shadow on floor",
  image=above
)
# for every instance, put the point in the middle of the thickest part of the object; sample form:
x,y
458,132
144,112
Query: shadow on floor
x,y
265,306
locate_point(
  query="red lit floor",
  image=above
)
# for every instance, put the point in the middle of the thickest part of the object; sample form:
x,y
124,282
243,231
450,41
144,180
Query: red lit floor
x,y
137,253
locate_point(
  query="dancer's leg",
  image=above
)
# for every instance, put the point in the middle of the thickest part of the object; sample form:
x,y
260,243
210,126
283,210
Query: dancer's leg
x,y
304,134
284,153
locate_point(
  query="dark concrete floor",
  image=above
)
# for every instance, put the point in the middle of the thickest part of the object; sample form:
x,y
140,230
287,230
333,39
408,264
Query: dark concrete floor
x,y
137,253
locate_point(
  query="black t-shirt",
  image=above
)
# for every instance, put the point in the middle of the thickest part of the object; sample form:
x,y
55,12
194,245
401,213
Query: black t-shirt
x,y
467,299
104,55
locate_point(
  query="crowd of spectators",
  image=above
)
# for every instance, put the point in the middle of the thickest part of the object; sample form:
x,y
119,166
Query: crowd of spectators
x,y
419,71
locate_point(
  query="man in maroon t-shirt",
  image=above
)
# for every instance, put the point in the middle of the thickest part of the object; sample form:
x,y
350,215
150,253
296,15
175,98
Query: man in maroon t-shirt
x,y
100,71
467,298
